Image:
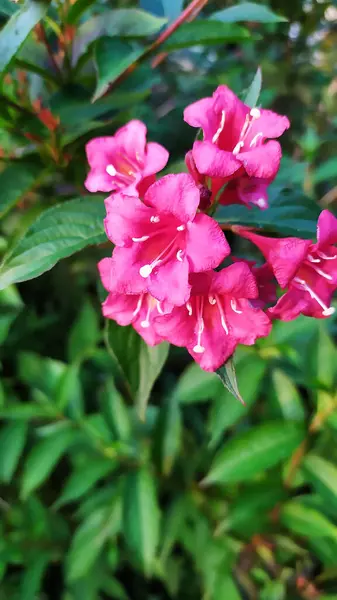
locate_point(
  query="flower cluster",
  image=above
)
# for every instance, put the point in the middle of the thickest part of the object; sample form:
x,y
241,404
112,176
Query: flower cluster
x,y
162,276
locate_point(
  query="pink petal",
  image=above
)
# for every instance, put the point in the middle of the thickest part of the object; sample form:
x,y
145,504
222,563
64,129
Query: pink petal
x,y
120,307
263,161
98,180
176,327
121,272
144,185
326,229
127,218
206,245
169,282
132,138
289,306
248,325
217,352
270,124
237,280
201,114
98,151
212,161
175,194
156,157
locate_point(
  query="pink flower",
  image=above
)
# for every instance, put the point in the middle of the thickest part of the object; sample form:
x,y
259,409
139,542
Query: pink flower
x,y
124,161
235,144
161,241
140,310
217,317
308,270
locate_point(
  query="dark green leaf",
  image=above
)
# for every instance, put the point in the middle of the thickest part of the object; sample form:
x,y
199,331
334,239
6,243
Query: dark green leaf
x,y
248,11
255,451
205,32
33,575
59,232
15,182
8,8
226,411
151,363
141,518
167,438
12,441
84,334
43,458
112,57
83,480
115,411
306,521
18,28
321,358
228,377
10,307
90,538
196,385
323,476
254,90
69,395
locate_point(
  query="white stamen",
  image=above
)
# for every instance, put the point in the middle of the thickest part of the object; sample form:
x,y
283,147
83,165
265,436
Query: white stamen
x,y
255,138
325,257
255,113
233,306
159,308
145,271
198,349
261,203
189,308
145,324
155,219
139,305
326,310
222,315
222,124
320,272
238,147
181,228
312,259
110,169
211,300
179,255
141,239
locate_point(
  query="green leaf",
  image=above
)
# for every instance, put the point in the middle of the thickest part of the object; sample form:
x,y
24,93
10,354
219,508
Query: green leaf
x,y
91,536
248,11
225,588
141,518
33,575
139,364
115,411
10,307
228,377
15,181
12,441
274,590
205,32
323,476
307,521
173,521
18,28
167,438
255,451
43,458
254,90
42,373
8,8
287,215
58,232
325,171
84,479
321,358
226,411
26,411
287,397
196,385
84,334
112,57
69,394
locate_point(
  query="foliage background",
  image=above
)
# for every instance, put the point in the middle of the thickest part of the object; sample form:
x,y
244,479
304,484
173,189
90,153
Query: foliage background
x,y
104,496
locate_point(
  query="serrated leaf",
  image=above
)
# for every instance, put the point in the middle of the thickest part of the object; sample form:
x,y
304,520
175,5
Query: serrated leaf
x,y
57,233
228,377
254,90
255,451
322,474
248,11
43,458
139,364
90,538
84,334
141,518
15,181
18,28
112,57
205,32
306,521
12,440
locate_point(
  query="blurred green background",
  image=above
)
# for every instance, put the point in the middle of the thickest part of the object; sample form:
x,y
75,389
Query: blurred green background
x,y
203,498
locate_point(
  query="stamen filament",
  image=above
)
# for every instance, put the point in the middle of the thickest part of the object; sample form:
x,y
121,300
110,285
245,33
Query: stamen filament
x,y
327,311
